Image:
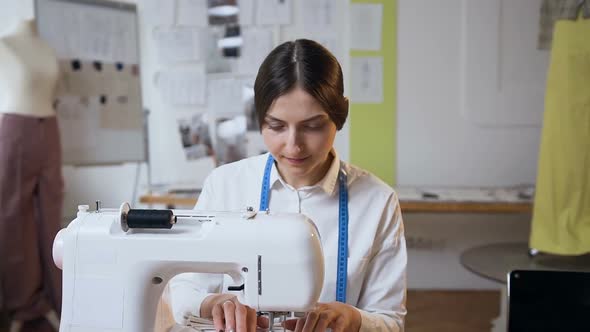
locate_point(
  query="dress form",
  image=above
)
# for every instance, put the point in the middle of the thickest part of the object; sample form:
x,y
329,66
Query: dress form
x,y
29,72
31,183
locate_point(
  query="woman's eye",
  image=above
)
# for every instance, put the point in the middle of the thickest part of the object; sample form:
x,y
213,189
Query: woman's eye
x,y
276,127
314,126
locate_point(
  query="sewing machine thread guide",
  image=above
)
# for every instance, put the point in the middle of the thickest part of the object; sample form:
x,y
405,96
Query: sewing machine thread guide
x,y
259,275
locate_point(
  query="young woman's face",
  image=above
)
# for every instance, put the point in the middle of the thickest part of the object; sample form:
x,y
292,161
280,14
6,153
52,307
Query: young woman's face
x,y
299,134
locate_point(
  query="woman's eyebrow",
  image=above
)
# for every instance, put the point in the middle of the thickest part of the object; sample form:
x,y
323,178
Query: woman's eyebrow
x,y
316,117
313,118
272,118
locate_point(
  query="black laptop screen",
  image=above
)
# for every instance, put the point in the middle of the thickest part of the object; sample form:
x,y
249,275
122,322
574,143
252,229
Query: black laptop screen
x,y
548,301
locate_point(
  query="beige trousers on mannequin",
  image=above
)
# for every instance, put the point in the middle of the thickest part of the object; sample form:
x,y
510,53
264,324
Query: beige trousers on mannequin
x,y
31,195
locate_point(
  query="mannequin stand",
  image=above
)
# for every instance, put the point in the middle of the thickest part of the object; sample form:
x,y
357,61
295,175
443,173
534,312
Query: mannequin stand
x,y
51,317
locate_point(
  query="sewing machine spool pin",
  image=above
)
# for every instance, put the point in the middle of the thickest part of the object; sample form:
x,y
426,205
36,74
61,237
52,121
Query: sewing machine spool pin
x,y
153,218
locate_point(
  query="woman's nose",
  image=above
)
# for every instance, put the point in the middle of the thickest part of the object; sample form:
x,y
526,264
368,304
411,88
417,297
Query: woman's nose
x,y
294,141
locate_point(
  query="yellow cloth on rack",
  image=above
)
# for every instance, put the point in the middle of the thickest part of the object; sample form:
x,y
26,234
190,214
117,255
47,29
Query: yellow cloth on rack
x,y
561,215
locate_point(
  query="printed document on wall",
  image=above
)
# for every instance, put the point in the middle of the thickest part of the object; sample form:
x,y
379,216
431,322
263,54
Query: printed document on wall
x,y
102,35
271,12
158,12
367,80
78,122
224,97
258,43
193,13
246,14
179,44
182,87
319,15
366,22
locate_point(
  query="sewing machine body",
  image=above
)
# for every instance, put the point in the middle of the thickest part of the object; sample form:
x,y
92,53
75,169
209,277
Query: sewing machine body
x,y
113,280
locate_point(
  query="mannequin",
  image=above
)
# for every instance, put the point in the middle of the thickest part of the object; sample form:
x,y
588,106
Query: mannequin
x,y
31,184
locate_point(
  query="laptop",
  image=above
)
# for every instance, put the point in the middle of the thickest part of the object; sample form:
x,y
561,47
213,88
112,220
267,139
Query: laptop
x,y
548,301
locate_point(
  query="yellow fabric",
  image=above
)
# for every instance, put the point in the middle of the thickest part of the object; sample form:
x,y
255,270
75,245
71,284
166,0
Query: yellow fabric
x,y
561,215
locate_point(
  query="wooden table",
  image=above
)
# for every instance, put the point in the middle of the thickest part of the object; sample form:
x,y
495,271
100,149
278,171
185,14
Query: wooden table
x,y
169,200
465,207
436,206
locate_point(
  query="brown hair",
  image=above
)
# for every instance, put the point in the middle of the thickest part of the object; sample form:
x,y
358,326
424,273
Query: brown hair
x,y
309,65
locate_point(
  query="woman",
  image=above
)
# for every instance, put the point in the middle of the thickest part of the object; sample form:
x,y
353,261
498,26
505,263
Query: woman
x,y
300,107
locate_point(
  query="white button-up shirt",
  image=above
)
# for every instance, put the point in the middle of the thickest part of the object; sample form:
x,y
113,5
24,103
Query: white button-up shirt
x,y
376,244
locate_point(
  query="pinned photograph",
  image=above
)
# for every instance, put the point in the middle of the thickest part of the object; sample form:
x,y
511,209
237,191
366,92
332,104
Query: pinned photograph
x,y
195,137
231,43
215,61
221,12
231,139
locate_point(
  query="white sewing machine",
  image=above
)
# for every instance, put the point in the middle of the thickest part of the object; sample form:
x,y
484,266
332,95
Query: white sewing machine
x,y
116,263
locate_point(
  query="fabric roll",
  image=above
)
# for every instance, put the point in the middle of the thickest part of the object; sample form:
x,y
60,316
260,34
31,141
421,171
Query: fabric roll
x,y
561,215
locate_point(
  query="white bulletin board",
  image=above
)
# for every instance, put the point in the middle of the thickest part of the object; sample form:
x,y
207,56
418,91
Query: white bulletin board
x,y
99,102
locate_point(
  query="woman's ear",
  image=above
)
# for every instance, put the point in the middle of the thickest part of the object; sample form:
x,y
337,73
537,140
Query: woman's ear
x,y
347,102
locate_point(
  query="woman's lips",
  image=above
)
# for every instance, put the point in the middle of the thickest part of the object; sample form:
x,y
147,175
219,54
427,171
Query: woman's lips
x,y
296,161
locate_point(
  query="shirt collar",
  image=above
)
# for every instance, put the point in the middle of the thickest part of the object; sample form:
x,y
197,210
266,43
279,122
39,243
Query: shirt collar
x,y
327,183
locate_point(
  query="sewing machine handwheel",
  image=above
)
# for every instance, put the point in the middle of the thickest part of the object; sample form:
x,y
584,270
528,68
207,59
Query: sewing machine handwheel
x,y
123,211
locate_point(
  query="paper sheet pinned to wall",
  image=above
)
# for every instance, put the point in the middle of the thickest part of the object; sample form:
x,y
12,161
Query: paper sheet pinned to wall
x,y
318,15
94,78
366,22
158,12
121,112
224,97
78,122
367,80
115,86
183,87
271,12
193,13
258,42
102,36
179,44
333,44
246,14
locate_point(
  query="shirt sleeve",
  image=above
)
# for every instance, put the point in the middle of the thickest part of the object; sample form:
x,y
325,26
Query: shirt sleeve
x,y
382,302
188,290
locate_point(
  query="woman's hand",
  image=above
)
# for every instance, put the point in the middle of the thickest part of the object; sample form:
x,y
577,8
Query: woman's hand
x,y
230,315
340,317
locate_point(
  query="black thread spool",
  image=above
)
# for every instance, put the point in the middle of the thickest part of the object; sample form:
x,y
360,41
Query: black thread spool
x,y
139,218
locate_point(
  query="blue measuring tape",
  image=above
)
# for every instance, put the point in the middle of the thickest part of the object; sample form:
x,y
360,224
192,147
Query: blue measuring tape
x,y
342,268
264,191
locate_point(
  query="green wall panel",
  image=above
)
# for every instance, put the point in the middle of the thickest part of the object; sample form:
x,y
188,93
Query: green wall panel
x,y
372,126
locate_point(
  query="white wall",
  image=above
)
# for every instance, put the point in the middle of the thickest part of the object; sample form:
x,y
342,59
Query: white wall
x,y
470,104
11,11
470,92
